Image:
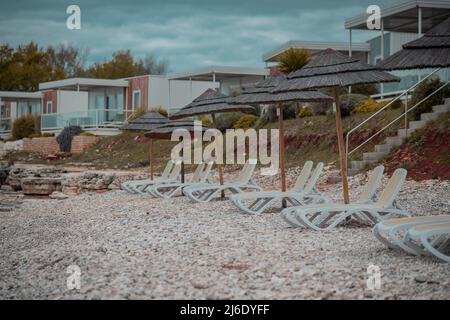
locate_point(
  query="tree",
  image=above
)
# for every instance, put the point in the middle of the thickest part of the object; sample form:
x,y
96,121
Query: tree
x,y
151,65
67,61
293,60
120,66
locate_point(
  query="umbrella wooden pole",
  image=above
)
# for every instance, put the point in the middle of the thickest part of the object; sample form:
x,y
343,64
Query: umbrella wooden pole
x,y
342,156
219,166
182,166
282,153
151,160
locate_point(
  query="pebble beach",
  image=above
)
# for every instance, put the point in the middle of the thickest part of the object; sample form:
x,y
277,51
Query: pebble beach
x,y
138,247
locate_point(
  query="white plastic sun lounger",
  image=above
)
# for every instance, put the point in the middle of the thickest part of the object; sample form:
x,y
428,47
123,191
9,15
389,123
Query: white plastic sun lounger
x,y
327,216
434,238
168,190
131,185
207,192
174,176
303,192
393,233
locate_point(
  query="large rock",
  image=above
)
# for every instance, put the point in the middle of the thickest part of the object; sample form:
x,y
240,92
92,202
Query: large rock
x,y
40,186
17,173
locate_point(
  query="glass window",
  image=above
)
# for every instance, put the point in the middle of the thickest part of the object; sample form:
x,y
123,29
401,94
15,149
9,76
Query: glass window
x,y
99,102
119,102
49,107
136,99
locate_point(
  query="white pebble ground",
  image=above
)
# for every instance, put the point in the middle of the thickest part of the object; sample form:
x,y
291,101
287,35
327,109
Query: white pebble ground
x,y
136,247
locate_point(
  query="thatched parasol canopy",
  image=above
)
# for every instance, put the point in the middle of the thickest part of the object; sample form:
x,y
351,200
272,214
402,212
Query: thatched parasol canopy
x,y
430,51
147,122
261,94
331,69
164,132
209,102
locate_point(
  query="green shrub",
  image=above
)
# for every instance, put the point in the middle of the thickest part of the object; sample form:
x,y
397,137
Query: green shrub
x,y
24,127
47,135
322,108
262,121
424,90
369,105
206,121
227,120
34,135
246,122
66,136
349,102
87,134
290,112
305,112
161,111
365,89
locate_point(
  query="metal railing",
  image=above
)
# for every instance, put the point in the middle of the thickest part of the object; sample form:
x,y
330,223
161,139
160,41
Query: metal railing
x,y
89,119
403,115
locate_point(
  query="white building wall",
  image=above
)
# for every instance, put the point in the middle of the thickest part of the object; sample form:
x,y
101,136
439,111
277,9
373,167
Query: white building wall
x,y
398,39
234,86
179,95
72,101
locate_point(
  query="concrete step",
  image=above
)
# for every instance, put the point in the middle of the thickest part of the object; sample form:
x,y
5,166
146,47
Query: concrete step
x,y
357,165
394,141
442,108
447,101
351,172
429,116
368,156
383,148
415,125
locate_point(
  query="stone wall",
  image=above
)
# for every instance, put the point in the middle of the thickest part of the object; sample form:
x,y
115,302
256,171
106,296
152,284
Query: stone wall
x,y
82,143
41,145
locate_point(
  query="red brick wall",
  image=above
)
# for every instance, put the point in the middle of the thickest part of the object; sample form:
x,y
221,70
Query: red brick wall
x,y
53,97
140,83
41,145
80,143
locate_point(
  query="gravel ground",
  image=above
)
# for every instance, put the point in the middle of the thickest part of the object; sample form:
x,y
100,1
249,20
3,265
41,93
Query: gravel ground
x,y
134,247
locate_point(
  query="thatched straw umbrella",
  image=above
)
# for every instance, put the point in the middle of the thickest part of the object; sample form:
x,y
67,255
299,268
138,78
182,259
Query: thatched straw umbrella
x,y
147,122
164,132
210,102
331,69
260,94
430,51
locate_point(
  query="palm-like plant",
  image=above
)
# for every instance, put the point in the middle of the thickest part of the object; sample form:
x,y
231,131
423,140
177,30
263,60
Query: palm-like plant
x,y
293,60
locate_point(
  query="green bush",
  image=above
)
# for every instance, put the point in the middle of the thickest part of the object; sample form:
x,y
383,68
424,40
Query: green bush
x,y
424,90
47,135
24,127
322,108
369,105
246,122
227,120
34,135
262,121
206,121
66,136
305,112
290,112
349,102
365,89
161,111
87,134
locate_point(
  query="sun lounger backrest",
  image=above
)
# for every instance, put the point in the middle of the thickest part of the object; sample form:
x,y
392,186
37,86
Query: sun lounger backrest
x,y
175,171
392,188
303,177
314,178
206,171
247,171
197,173
370,189
167,170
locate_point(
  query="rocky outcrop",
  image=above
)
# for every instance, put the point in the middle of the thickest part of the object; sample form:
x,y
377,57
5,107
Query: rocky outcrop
x,y
17,173
40,186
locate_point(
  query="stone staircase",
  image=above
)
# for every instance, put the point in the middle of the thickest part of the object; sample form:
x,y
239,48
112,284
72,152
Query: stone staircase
x,y
382,150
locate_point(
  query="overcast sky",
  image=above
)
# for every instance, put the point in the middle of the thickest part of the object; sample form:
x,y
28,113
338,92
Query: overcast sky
x,y
189,33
